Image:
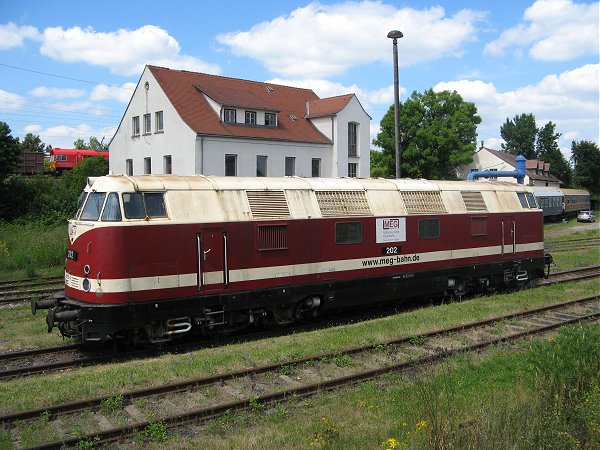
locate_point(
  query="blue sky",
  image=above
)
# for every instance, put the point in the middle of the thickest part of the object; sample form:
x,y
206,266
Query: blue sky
x,y
68,69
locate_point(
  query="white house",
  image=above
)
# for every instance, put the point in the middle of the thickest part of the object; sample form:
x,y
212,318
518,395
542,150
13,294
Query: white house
x,y
537,172
189,123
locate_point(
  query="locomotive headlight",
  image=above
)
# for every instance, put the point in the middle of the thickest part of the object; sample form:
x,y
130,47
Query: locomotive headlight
x,y
87,285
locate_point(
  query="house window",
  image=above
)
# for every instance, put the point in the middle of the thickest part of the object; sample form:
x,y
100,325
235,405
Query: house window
x,y
352,139
290,166
147,124
261,166
316,167
167,164
352,170
270,120
158,121
129,167
147,165
135,126
229,115
491,176
250,118
230,165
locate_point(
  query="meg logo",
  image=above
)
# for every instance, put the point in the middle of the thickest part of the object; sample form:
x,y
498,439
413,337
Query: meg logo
x,y
390,224
390,229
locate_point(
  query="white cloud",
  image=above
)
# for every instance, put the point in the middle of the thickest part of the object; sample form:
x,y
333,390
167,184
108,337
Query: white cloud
x,y
323,40
10,102
50,92
33,129
125,52
63,136
552,30
121,93
570,100
326,88
12,35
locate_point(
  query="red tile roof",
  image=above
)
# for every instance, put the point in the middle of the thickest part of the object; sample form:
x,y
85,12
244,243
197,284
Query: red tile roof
x,y
328,106
187,90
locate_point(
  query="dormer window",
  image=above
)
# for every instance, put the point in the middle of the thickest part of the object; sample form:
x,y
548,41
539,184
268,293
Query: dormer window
x,y
270,120
250,118
229,115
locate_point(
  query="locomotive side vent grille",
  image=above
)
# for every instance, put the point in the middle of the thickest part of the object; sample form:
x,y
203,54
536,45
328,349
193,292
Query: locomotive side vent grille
x,y
423,202
343,203
268,204
272,237
473,201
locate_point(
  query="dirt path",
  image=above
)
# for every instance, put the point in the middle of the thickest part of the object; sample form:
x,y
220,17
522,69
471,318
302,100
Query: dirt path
x,y
572,228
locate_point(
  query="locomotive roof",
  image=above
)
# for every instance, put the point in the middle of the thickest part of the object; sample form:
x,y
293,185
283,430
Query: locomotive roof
x,y
123,183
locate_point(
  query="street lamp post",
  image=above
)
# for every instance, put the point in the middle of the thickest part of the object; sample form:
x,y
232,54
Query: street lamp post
x,y
395,35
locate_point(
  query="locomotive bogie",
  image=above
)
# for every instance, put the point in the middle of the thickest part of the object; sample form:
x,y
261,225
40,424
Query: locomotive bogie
x,y
156,258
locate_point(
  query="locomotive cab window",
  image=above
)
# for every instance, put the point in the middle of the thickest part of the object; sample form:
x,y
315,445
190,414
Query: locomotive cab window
x,y
522,199
429,228
93,206
112,209
80,203
144,205
348,233
531,200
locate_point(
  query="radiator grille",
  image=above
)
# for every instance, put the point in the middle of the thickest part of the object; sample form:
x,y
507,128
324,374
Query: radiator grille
x,y
71,281
423,202
473,201
272,237
268,204
343,203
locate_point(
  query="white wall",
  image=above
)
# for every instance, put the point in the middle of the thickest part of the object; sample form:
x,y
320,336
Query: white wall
x,y
215,149
353,112
177,139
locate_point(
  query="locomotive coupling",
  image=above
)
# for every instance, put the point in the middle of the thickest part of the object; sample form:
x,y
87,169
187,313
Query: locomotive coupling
x,y
59,317
42,304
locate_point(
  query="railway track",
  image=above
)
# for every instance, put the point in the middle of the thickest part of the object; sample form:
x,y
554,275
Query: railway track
x,y
576,244
21,290
50,359
193,401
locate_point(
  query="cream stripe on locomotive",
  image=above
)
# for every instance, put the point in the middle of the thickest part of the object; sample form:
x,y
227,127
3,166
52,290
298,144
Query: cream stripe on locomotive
x,y
262,273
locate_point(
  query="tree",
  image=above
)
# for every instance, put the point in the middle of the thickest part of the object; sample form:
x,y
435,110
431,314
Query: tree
x,y
94,144
10,154
519,135
438,132
547,150
32,143
10,151
382,164
585,156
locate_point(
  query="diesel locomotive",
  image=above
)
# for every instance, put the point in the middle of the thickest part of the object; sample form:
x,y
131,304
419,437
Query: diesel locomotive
x,y
153,258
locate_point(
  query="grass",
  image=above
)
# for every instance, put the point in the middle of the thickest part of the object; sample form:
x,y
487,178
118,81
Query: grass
x,y
29,250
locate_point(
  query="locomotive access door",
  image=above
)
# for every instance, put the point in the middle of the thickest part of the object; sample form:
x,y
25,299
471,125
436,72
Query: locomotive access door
x,y
509,236
213,270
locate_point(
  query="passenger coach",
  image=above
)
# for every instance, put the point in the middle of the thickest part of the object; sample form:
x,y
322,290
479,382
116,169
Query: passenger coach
x,y
150,258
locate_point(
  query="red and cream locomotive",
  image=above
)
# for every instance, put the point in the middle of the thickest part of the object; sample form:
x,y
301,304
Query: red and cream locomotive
x,y
151,258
